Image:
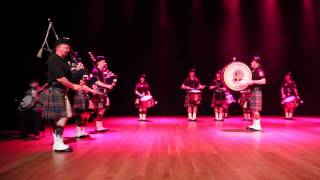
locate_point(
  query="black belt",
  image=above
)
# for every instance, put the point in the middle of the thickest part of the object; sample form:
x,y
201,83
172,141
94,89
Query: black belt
x,y
56,85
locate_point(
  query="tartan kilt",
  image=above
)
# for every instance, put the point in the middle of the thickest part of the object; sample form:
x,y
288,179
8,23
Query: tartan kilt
x,y
55,104
81,101
188,102
99,101
256,100
218,103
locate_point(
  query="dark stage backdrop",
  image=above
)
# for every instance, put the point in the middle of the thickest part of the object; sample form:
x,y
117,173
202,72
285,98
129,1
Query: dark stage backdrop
x,y
164,38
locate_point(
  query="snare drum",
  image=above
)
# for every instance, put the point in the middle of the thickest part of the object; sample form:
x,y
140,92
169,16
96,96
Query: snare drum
x,y
291,102
27,103
195,95
147,102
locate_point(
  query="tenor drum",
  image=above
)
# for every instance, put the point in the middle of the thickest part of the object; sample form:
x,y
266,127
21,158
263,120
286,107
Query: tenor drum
x,y
26,103
291,102
147,101
195,95
235,75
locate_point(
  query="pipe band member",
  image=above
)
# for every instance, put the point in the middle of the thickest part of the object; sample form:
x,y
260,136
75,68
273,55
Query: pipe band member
x,y
244,102
142,89
289,90
219,97
99,83
192,86
56,104
258,79
81,100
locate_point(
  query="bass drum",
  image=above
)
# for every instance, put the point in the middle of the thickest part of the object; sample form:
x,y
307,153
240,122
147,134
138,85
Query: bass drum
x,y
235,75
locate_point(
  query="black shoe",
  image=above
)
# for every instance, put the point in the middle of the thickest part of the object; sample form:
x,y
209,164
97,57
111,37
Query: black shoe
x,y
36,137
102,130
84,136
252,129
26,137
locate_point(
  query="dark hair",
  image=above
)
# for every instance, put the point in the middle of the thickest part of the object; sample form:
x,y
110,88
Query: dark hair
x,y
192,70
101,58
288,74
32,80
143,76
257,59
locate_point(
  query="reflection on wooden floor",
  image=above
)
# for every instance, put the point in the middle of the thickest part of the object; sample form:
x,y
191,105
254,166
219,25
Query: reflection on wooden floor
x,y
173,148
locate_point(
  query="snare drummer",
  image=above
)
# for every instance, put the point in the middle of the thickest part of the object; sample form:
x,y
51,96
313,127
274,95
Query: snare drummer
x,y
289,89
219,97
258,79
189,84
142,89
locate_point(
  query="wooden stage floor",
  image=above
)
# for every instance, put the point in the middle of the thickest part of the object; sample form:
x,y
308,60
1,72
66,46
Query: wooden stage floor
x,y
173,148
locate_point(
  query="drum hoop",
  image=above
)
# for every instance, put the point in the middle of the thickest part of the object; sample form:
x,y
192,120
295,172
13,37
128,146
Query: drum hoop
x,y
289,99
195,91
146,98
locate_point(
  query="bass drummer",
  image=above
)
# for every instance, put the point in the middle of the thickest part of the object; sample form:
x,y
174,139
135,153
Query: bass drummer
x,y
218,103
258,79
290,96
192,86
142,89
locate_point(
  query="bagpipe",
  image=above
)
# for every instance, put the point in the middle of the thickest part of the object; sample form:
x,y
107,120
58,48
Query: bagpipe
x,y
73,57
108,75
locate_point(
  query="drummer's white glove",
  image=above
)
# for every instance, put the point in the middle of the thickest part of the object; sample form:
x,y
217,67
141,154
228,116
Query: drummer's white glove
x,y
33,93
242,83
249,82
202,86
